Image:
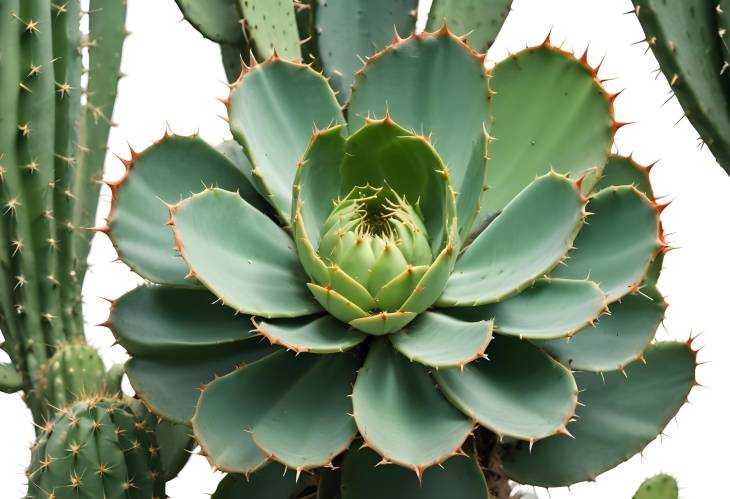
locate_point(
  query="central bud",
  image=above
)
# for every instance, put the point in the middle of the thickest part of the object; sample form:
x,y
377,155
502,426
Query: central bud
x,y
379,240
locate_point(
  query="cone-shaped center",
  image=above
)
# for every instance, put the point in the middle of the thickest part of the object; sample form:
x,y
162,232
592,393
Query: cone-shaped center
x,y
374,236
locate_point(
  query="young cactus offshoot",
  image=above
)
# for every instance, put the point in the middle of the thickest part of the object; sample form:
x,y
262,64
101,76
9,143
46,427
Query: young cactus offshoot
x,y
404,267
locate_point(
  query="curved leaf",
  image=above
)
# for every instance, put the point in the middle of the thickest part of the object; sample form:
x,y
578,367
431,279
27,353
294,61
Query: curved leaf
x,y
480,21
524,242
165,321
519,392
241,255
273,111
619,338
362,478
295,410
217,20
271,482
618,243
565,122
350,31
401,415
171,387
166,172
430,83
176,445
551,308
437,340
323,334
621,416
621,170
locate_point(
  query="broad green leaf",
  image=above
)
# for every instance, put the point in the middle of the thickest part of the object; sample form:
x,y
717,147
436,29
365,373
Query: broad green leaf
x,y
478,20
618,338
295,409
438,340
362,478
241,255
271,482
519,392
617,245
323,334
551,308
400,413
524,242
217,20
273,111
435,85
176,445
271,27
170,387
550,113
621,170
622,414
167,172
165,321
350,31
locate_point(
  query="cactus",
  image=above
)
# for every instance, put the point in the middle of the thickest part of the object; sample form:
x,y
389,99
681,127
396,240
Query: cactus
x,y
689,39
74,370
97,447
398,316
658,487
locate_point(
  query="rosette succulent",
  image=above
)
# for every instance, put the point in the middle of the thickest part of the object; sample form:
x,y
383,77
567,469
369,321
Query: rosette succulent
x,y
409,280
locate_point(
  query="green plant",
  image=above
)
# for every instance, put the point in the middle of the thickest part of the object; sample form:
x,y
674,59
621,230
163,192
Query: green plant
x,y
52,150
97,447
658,487
689,39
420,264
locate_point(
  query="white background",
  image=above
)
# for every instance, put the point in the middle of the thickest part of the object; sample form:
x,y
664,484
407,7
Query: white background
x,y
174,76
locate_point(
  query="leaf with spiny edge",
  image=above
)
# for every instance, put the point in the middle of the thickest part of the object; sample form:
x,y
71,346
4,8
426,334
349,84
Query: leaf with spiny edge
x,y
399,81
438,340
478,21
350,31
166,172
217,20
400,413
299,417
314,334
273,481
272,110
271,27
622,414
510,399
566,122
622,170
176,445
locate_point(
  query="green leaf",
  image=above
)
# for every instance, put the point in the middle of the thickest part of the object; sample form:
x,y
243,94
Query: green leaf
x,y
479,20
382,153
164,321
271,27
170,387
217,20
401,415
176,445
430,84
549,112
621,416
526,240
271,482
241,255
438,340
273,111
621,170
166,172
295,410
551,308
350,31
323,334
619,337
618,243
383,323
11,380
362,478
519,392
678,30
658,487
336,304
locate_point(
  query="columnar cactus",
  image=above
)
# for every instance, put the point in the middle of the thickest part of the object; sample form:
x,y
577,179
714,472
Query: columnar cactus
x,y
100,448
429,264
690,41
52,150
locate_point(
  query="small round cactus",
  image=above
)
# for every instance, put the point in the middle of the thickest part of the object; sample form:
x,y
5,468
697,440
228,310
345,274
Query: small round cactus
x,y
75,370
97,447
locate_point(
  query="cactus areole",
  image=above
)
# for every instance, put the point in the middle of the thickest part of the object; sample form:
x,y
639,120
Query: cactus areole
x,y
416,280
